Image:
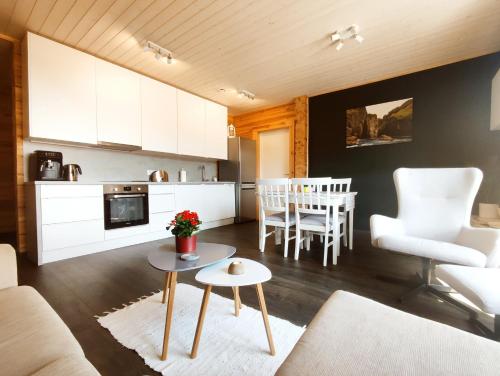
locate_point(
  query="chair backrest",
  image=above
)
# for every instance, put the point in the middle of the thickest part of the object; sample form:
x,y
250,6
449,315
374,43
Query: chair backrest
x,y
341,185
273,195
312,195
435,203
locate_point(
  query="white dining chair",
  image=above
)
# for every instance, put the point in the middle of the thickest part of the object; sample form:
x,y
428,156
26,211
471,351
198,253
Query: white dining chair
x,y
341,186
314,215
274,210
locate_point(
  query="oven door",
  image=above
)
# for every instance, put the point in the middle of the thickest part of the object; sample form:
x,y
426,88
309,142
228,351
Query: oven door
x,y
125,210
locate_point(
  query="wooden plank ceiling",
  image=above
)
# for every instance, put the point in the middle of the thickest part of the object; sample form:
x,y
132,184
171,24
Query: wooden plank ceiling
x,y
277,49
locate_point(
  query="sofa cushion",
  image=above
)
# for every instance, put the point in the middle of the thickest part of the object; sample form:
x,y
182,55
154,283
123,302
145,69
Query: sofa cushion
x,y
31,333
73,365
433,249
480,285
352,335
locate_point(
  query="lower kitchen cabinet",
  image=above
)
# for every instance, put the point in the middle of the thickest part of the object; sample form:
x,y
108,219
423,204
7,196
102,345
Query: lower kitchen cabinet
x,y
212,202
65,220
63,235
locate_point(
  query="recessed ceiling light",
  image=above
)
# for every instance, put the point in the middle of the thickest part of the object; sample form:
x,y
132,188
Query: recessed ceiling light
x,y
341,36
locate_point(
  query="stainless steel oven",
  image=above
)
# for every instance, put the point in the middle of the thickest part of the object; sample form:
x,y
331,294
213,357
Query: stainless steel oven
x,y
125,205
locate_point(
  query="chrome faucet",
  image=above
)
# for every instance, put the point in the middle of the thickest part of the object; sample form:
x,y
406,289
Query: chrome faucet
x,y
203,178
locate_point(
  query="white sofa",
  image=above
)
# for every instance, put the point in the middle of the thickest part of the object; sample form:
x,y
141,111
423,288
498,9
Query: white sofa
x,y
352,335
33,338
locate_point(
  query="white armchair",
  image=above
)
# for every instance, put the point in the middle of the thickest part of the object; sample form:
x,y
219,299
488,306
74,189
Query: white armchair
x,y
433,222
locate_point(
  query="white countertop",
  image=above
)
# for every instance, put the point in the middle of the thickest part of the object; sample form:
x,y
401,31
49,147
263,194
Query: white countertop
x,y
59,182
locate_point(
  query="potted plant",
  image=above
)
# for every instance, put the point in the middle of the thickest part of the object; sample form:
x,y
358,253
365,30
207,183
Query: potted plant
x,y
183,226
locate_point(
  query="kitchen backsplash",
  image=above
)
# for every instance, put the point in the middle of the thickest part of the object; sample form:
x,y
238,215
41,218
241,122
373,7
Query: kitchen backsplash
x,y
111,165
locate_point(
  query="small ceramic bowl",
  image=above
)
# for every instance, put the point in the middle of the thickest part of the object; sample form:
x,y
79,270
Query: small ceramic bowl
x,y
236,268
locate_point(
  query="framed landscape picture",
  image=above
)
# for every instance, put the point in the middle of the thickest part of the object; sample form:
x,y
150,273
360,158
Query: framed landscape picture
x,y
380,124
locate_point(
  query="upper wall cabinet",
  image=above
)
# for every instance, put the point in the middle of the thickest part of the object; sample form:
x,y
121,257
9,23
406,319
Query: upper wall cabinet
x,y
59,95
71,96
191,124
118,105
159,116
215,130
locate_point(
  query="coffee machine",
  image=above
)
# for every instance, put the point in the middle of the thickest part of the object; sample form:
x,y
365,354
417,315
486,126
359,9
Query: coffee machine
x,y
48,165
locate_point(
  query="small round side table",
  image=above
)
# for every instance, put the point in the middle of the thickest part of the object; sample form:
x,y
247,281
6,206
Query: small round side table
x,y
217,275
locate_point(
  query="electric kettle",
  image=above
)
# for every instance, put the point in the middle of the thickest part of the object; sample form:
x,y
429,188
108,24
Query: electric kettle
x,y
71,172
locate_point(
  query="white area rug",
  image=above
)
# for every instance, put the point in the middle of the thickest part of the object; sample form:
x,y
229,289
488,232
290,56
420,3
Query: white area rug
x,y
229,345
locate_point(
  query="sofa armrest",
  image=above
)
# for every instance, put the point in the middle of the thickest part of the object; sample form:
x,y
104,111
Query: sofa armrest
x,y
381,225
8,266
486,240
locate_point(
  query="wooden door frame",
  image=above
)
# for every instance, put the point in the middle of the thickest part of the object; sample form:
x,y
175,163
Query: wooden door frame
x,y
17,125
290,124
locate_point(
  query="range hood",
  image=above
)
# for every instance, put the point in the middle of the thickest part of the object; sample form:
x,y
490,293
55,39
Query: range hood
x,y
116,146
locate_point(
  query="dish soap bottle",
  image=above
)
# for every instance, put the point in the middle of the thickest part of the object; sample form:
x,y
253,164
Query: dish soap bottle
x,y
182,175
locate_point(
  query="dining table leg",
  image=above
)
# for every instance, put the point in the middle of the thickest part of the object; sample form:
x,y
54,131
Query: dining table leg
x,y
351,224
170,308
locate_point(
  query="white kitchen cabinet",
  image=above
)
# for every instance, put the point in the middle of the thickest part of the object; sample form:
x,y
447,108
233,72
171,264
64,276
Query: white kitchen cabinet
x,y
67,190
59,92
191,124
118,104
159,116
215,130
212,202
59,210
159,222
71,234
161,203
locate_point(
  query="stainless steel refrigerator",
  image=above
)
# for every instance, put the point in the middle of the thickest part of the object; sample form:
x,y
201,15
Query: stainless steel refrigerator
x,y
240,167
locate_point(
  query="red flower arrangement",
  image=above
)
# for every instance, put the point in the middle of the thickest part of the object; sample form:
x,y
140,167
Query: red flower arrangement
x,y
184,224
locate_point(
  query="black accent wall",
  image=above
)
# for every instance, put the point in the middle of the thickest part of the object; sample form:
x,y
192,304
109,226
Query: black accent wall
x,y
451,121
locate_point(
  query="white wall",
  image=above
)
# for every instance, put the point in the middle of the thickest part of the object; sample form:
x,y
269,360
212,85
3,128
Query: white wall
x,y
109,165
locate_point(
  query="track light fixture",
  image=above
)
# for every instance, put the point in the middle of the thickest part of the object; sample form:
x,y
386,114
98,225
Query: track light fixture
x,y
341,36
246,94
161,54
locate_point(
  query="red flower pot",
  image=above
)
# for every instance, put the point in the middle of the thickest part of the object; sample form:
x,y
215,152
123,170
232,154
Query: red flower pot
x,y
185,244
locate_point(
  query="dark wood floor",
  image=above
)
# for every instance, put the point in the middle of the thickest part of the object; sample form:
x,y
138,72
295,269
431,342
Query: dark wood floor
x,y
85,286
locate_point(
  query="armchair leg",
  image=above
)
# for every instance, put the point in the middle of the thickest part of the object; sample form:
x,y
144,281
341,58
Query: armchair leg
x,y
497,328
412,293
427,285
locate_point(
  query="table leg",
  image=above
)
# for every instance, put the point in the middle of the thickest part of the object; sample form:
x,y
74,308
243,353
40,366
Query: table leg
x,y
263,309
170,308
237,301
165,287
201,318
351,223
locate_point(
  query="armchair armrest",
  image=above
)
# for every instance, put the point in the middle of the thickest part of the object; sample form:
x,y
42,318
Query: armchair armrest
x,y
381,225
8,266
486,240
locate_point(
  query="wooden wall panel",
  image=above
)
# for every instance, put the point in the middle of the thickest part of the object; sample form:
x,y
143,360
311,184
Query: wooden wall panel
x,y
17,135
301,136
291,115
7,153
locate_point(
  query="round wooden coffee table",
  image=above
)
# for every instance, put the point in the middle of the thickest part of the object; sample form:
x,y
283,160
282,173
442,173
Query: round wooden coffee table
x,y
165,258
217,275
